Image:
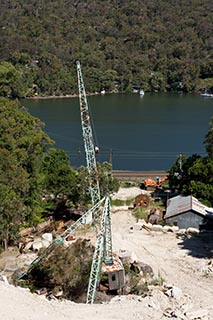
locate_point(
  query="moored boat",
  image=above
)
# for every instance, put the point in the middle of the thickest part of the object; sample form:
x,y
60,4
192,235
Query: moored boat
x,y
141,92
209,95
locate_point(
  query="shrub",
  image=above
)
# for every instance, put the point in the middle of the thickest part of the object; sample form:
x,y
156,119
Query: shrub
x,y
66,270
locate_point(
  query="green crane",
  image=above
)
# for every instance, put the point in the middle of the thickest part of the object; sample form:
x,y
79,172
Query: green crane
x,y
90,148
103,248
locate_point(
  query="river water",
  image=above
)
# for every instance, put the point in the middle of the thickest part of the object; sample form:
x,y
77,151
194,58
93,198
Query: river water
x,y
132,132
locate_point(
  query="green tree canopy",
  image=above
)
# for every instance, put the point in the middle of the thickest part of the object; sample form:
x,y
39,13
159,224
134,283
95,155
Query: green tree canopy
x,y
22,145
159,45
67,270
59,177
60,180
195,175
10,81
209,140
107,182
35,177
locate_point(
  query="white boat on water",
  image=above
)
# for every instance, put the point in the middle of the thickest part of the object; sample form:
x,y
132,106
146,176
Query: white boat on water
x,y
141,92
208,95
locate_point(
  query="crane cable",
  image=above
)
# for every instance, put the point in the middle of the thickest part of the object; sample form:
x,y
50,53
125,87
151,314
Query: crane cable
x,y
95,139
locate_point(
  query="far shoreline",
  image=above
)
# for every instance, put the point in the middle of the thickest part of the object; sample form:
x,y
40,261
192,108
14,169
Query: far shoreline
x,y
52,97
67,96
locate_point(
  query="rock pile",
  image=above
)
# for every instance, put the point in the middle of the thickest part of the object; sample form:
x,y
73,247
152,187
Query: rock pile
x,y
169,302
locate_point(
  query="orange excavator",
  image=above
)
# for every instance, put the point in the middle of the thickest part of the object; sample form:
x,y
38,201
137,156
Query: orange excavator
x,y
153,183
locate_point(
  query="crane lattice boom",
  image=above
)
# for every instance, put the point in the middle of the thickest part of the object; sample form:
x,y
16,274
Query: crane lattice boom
x,y
88,139
103,248
60,239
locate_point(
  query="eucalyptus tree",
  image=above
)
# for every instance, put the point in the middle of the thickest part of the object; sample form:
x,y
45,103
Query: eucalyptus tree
x,y
22,145
209,140
195,176
11,83
108,184
59,180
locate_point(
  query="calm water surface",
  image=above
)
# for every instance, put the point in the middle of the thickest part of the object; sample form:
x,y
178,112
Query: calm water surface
x,y
145,133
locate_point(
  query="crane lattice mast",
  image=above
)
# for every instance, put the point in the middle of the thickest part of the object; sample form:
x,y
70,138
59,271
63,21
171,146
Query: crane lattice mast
x,y
100,250
103,248
88,139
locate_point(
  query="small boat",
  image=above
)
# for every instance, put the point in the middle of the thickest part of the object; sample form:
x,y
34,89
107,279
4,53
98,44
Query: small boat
x,y
141,92
209,95
103,91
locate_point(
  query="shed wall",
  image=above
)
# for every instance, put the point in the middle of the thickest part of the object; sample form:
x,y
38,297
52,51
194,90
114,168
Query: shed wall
x,y
186,220
116,280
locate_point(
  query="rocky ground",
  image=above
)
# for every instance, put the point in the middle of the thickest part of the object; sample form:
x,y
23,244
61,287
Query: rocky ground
x,y
183,261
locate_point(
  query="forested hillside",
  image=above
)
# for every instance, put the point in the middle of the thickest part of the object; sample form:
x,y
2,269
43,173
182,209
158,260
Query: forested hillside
x,y
161,45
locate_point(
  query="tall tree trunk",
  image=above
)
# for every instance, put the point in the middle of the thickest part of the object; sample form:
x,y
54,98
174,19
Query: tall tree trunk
x,y
5,239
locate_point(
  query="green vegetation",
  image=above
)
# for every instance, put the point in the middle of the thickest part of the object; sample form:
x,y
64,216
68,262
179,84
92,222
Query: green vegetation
x,y
118,202
67,270
195,175
138,285
158,45
137,278
22,145
159,281
141,213
36,179
144,212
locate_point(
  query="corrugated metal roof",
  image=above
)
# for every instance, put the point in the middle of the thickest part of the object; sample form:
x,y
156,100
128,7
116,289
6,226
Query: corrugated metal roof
x,y
116,266
199,207
181,204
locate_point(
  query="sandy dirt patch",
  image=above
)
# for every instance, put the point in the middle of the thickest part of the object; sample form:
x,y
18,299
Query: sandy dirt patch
x,y
127,193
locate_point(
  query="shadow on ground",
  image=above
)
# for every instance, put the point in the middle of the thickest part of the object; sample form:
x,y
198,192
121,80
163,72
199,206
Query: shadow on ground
x,y
198,245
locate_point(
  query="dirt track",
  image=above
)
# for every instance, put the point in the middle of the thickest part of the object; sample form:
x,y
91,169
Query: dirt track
x,y
179,260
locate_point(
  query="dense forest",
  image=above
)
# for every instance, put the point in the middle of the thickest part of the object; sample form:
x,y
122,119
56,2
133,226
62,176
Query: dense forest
x,y
158,45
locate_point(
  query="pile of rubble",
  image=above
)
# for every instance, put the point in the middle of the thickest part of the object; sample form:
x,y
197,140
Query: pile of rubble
x,y
141,224
35,244
169,302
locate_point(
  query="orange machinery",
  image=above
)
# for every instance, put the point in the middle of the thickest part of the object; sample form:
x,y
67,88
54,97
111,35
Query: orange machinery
x,y
153,183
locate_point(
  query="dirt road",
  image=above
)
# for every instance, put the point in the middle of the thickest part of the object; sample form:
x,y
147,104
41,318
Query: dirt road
x,y
179,261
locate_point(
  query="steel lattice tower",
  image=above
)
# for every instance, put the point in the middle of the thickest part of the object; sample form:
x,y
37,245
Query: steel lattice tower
x,y
103,248
88,139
